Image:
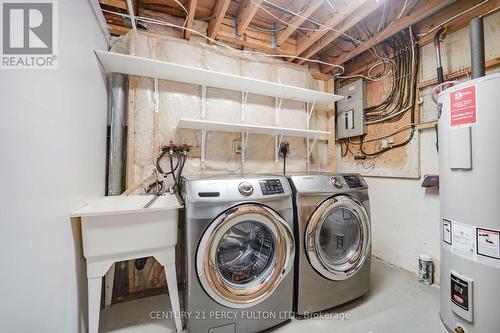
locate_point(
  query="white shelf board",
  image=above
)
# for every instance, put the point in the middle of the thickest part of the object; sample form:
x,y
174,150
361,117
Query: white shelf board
x,y
128,64
235,127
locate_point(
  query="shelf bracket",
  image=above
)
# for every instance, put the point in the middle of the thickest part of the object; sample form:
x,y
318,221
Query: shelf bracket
x,y
309,112
244,98
203,102
244,143
203,156
310,148
278,102
278,140
156,97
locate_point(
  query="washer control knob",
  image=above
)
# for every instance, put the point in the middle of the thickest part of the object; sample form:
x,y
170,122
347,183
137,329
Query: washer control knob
x,y
245,188
336,182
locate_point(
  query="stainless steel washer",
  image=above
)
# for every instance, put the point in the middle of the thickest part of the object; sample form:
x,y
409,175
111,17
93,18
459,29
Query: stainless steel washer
x,y
332,229
240,250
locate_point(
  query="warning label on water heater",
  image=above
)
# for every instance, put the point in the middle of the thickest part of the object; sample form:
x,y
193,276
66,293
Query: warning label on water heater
x,y
488,243
463,107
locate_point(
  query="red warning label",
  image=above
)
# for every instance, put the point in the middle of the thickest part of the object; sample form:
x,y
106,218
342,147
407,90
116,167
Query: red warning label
x,y
463,107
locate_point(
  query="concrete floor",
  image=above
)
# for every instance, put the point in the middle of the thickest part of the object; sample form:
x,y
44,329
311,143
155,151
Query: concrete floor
x,y
396,303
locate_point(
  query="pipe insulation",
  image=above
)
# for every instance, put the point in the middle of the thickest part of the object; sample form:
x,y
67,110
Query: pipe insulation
x,y
116,164
477,47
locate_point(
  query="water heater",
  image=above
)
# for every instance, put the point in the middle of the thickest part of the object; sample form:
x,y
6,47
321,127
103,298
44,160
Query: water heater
x,y
469,162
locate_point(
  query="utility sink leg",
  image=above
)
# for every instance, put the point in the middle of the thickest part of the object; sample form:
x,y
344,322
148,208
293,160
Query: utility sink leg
x,y
171,275
108,292
94,290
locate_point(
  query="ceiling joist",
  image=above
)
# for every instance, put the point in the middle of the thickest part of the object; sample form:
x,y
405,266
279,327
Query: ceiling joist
x,y
246,12
426,8
342,12
218,13
114,3
341,29
191,7
297,21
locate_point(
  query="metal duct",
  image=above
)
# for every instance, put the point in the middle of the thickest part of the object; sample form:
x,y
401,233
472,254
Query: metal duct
x,y
477,47
116,165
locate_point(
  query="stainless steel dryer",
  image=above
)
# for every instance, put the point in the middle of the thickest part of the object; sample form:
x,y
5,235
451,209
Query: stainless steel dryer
x,y
332,232
240,250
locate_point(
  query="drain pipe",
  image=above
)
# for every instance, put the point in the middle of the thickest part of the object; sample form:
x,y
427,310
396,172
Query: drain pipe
x,y
477,47
440,35
117,105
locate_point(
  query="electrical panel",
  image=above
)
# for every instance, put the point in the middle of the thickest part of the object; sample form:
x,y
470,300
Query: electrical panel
x,y
350,110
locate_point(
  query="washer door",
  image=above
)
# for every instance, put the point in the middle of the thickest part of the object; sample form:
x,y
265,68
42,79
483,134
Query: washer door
x,y
244,255
337,237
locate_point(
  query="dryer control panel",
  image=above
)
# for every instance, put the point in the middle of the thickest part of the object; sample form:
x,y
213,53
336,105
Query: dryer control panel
x,y
271,186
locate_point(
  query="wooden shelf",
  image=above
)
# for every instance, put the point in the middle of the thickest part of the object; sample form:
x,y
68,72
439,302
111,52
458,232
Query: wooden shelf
x,y
133,65
256,129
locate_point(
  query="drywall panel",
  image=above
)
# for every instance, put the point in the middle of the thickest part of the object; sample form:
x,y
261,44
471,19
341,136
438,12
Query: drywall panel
x,y
53,146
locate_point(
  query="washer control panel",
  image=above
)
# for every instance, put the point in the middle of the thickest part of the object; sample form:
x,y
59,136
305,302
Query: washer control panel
x,y
271,186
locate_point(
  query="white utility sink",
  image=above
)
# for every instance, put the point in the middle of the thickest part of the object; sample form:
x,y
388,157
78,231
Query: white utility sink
x,y
119,228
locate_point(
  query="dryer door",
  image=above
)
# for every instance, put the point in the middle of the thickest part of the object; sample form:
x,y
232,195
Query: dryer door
x,y
337,237
244,255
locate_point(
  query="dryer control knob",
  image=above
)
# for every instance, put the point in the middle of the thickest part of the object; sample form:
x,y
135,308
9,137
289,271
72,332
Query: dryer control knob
x,y
245,188
336,182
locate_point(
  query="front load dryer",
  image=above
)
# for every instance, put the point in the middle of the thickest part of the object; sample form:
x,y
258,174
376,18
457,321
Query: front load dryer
x,y
332,231
240,251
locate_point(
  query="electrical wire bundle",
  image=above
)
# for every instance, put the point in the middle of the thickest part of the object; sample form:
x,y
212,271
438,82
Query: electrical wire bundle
x,y
401,98
403,89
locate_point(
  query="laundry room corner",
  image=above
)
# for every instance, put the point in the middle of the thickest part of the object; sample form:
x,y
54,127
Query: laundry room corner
x,y
248,166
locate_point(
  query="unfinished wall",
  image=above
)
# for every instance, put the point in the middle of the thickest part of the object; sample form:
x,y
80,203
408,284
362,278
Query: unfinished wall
x,y
405,217
53,146
148,131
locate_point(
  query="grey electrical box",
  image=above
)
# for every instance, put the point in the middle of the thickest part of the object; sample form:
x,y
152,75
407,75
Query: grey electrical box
x,y
350,110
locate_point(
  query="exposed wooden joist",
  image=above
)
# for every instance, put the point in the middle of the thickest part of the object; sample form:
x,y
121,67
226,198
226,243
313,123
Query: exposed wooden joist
x,y
297,21
348,23
219,11
426,8
452,11
343,12
254,39
114,3
246,12
191,7
116,29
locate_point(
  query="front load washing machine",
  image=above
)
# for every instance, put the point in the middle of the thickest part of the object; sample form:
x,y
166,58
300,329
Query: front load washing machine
x,y
332,232
240,251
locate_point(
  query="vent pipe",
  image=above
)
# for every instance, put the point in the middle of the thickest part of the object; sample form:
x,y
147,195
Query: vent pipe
x,y
477,47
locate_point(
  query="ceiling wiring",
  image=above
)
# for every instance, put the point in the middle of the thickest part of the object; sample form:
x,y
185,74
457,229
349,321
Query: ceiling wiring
x,y
219,43
324,27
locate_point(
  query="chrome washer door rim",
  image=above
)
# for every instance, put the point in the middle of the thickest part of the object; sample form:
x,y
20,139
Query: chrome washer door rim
x,y
313,228
241,296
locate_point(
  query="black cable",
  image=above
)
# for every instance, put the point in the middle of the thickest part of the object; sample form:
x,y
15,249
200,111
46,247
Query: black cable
x,y
158,159
284,164
171,159
409,93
